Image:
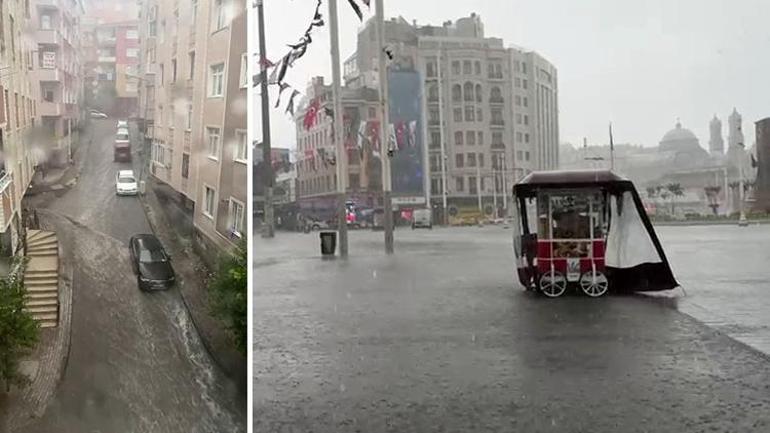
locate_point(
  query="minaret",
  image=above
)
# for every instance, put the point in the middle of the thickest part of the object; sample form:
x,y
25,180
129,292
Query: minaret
x,y
735,134
716,143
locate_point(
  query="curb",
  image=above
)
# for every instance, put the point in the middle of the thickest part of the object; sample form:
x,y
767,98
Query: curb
x,y
204,341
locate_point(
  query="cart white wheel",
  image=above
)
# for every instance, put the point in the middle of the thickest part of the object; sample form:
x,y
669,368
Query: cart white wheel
x,y
594,284
553,284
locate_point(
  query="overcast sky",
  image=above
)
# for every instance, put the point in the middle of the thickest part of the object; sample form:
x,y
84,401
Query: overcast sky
x,y
640,64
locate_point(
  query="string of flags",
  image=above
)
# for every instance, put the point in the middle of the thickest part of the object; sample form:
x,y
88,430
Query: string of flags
x,y
296,51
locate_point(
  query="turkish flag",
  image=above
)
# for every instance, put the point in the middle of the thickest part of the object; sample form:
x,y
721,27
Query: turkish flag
x,y
311,114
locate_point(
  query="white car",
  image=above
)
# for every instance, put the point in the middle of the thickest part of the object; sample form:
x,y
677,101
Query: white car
x,y
122,124
125,183
98,115
122,135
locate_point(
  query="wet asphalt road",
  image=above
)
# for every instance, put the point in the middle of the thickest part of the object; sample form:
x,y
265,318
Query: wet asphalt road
x,y
438,338
136,363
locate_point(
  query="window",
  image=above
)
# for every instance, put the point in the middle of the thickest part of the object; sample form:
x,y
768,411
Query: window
x,y
525,101
220,15
519,155
518,118
235,218
518,137
430,68
497,139
517,82
435,139
470,138
455,67
216,80
526,119
458,114
16,108
497,116
524,83
433,116
457,93
468,91
524,69
162,72
458,138
469,113
173,70
480,138
210,202
467,67
432,92
471,160
189,116
479,115
495,95
459,160
132,34
517,66
48,95
372,112
240,146
526,156
526,137
244,80
194,13
481,160
477,67
45,22
518,100
459,184
478,92
472,184
435,186
185,165
213,138
191,56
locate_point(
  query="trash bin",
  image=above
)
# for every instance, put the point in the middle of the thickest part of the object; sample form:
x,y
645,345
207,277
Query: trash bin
x,y
328,243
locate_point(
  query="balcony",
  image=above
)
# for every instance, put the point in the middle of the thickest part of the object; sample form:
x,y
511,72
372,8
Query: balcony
x,y
48,37
51,109
107,59
49,74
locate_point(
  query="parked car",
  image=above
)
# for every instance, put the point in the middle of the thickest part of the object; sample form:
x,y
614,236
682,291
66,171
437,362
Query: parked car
x,y
98,115
125,183
122,124
151,264
122,146
421,218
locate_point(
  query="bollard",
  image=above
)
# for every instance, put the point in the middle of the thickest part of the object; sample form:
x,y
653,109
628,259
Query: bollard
x,y
328,243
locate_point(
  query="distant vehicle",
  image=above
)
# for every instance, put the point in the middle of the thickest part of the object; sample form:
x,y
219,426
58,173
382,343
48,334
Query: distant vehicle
x,y
122,124
122,146
319,225
98,115
151,264
421,218
125,183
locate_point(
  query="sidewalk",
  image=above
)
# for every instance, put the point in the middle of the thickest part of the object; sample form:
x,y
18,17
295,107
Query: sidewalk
x,y
60,178
173,226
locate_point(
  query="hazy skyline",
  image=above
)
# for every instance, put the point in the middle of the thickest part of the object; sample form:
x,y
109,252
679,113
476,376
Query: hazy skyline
x,y
640,65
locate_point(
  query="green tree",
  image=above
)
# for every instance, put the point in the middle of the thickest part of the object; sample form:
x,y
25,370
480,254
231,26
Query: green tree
x,y
675,190
228,294
19,332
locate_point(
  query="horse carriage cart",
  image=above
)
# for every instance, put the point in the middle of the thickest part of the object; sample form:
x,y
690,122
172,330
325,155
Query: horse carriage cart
x,y
585,229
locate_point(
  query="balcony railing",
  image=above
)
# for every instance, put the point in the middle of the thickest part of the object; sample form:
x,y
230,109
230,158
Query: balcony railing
x,y
48,37
496,100
497,122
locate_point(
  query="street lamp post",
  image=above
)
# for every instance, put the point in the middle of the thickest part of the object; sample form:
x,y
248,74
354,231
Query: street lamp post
x,y
341,161
742,222
269,230
384,127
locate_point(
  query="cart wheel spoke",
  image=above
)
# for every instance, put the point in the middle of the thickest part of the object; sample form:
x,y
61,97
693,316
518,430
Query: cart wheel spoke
x,y
553,284
594,284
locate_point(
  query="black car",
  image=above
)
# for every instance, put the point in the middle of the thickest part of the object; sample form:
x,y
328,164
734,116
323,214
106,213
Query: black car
x,y
151,263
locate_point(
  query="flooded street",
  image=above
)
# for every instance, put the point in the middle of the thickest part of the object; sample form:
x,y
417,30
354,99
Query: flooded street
x,y
136,362
439,337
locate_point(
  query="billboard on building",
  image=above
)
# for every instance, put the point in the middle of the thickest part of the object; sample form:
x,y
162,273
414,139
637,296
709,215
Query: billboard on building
x,y
407,168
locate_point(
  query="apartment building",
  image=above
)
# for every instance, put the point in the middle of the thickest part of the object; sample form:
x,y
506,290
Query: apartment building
x,y
485,101
111,39
58,74
18,116
316,152
193,101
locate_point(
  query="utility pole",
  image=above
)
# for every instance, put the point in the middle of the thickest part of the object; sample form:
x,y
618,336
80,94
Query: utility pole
x,y
444,215
337,122
269,230
505,186
385,127
741,193
478,186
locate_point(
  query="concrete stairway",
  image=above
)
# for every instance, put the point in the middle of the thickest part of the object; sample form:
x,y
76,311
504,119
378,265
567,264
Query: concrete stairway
x,y
41,278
